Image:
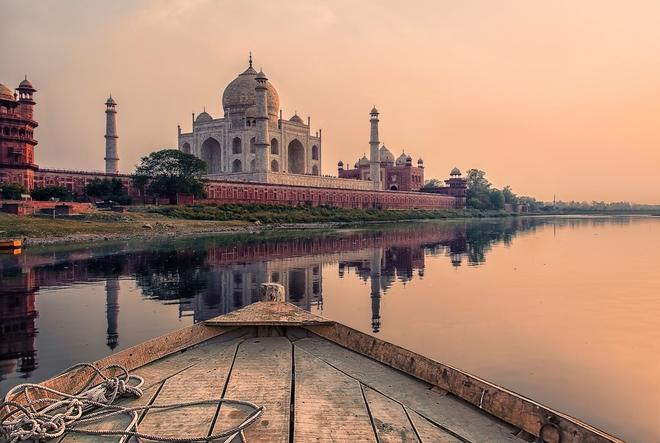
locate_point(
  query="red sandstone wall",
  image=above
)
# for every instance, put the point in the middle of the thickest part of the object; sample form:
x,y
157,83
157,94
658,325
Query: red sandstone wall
x,y
247,193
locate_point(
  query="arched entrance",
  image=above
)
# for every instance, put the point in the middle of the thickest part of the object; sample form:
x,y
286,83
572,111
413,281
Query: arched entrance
x,y
236,166
296,157
274,147
211,155
315,170
394,188
185,148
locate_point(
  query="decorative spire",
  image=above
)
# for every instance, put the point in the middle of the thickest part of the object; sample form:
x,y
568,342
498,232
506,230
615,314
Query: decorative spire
x,y
250,58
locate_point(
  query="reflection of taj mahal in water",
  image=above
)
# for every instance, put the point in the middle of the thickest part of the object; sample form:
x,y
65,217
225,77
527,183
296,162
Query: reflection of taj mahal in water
x,y
206,279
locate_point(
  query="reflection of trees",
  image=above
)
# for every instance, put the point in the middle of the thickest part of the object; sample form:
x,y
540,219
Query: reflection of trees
x,y
173,274
480,237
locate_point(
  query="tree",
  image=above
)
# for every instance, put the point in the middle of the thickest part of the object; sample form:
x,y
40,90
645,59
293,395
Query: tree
x,y
170,172
509,196
12,191
52,192
476,180
480,193
107,189
433,183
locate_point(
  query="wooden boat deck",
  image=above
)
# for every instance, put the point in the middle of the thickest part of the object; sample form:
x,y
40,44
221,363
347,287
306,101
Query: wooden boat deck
x,y
318,381
312,390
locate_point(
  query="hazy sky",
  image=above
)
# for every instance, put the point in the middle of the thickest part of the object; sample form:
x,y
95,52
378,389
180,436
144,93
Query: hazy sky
x,y
557,97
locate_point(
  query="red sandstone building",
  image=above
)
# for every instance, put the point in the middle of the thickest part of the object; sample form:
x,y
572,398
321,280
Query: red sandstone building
x,y
17,165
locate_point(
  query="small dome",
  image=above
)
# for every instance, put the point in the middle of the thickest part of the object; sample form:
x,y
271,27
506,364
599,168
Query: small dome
x,y
364,161
402,159
386,155
374,110
110,101
25,84
420,161
296,119
409,159
6,93
204,117
455,172
340,163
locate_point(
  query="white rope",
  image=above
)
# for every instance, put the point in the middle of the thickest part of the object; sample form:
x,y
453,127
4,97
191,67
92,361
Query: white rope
x,y
66,412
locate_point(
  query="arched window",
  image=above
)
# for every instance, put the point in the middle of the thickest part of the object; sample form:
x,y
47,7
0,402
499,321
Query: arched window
x,y
296,157
253,165
236,147
185,148
253,149
236,166
247,123
5,131
315,170
274,147
315,152
274,166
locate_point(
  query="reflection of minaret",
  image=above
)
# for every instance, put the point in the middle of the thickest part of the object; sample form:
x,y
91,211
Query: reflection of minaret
x,y
375,289
112,310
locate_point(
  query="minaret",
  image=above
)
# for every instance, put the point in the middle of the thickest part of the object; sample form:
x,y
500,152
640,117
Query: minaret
x,y
374,145
112,311
111,156
376,261
261,142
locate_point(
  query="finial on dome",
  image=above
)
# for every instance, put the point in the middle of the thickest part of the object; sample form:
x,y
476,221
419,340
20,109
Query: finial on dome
x,y
250,58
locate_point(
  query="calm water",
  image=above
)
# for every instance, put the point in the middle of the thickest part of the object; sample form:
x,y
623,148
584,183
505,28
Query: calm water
x,y
562,310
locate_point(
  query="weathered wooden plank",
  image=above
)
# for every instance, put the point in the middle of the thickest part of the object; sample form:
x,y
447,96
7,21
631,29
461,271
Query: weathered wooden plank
x,y
454,414
133,357
504,404
390,419
203,381
329,405
262,375
269,313
428,432
115,423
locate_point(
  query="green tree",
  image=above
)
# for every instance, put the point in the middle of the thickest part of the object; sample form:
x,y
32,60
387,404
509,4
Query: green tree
x,y
509,196
52,192
12,191
433,184
107,189
477,181
170,172
495,199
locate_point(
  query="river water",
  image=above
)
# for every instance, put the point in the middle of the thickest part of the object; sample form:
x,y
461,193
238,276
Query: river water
x,y
563,310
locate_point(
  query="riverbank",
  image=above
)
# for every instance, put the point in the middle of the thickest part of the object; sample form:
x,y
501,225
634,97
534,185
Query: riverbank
x,y
174,221
179,221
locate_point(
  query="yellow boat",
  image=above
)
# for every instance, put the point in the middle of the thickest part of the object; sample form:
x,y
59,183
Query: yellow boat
x,y
10,244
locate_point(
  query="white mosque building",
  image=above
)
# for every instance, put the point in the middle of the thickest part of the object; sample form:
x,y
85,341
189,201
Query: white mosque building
x,y
252,142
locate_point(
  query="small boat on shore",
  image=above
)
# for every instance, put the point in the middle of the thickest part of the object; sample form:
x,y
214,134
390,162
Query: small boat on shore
x,y
11,244
316,380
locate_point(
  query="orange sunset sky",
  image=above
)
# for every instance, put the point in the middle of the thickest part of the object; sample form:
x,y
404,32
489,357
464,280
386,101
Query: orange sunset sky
x,y
556,97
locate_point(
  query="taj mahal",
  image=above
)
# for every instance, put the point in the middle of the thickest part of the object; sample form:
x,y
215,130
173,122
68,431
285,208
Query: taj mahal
x,y
252,155
251,141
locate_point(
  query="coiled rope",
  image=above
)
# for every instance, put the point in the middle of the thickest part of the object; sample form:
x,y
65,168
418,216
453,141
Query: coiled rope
x,y
67,412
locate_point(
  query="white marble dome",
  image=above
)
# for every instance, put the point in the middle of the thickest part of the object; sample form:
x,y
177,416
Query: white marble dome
x,y
240,95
